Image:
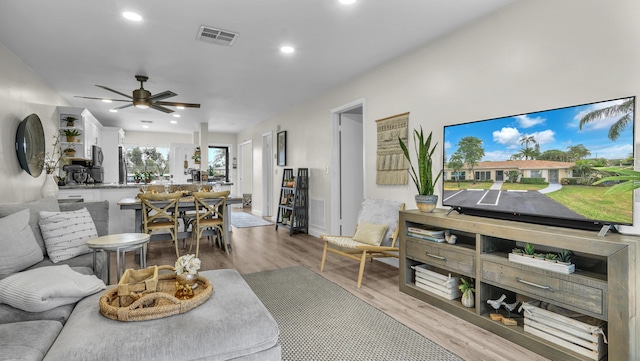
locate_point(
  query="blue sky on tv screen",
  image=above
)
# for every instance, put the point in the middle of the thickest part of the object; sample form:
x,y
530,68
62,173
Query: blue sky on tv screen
x,y
552,129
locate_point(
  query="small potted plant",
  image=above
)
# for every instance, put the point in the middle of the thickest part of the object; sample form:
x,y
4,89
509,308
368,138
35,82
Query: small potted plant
x,y
539,256
467,288
147,176
550,257
70,120
564,257
71,134
529,250
69,151
137,177
517,251
196,156
424,178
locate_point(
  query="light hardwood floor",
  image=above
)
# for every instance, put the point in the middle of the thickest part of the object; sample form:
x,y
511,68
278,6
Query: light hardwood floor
x,y
263,248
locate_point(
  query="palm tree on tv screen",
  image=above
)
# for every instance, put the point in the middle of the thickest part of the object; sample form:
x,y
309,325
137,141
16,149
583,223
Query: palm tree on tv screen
x,y
456,164
625,109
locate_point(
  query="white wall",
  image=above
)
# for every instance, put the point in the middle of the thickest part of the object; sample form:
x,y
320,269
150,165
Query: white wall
x,y
532,55
22,92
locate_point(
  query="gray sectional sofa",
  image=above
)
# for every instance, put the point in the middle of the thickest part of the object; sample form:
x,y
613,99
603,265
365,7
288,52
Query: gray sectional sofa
x,y
232,325
28,335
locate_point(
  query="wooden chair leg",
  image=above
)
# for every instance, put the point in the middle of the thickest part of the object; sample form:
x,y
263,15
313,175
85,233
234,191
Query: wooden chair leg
x,y
175,242
221,238
324,255
361,272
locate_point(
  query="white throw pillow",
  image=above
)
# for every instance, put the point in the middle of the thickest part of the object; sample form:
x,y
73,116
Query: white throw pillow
x,y
66,233
18,245
44,288
370,233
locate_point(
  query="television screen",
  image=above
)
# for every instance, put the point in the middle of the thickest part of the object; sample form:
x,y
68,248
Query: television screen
x,y
539,167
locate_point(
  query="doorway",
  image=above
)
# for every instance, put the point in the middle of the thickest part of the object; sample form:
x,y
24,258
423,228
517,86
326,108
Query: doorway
x,y
347,162
267,174
245,163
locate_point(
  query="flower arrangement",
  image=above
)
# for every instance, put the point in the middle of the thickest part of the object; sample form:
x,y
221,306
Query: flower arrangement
x,y
52,160
188,264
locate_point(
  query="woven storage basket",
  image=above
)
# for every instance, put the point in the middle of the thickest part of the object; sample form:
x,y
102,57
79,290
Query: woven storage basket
x,y
139,280
153,305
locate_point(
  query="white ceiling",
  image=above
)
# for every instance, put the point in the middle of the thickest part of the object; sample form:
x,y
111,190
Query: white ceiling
x,y
75,44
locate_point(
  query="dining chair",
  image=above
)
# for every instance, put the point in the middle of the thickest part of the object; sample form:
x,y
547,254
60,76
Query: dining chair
x,y
375,236
161,215
209,215
188,189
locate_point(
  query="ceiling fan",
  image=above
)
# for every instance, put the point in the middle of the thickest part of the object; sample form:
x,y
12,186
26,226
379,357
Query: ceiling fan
x,y
143,99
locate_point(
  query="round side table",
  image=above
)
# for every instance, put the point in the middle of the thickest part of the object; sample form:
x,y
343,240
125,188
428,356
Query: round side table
x,y
120,243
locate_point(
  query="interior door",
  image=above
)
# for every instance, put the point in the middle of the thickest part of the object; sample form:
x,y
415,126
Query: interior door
x,y
267,174
181,152
351,170
246,168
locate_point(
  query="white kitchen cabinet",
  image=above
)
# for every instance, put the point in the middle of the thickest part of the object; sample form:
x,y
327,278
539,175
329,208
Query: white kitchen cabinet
x,y
86,195
119,221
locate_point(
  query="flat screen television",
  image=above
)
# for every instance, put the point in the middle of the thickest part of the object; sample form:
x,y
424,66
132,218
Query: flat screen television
x,y
538,167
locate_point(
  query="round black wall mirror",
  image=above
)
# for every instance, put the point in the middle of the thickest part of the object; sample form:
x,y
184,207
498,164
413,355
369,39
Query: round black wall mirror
x,y
30,145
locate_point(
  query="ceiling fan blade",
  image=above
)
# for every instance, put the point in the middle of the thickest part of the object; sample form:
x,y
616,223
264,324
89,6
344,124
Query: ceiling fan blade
x,y
115,91
124,106
179,104
162,109
160,96
113,100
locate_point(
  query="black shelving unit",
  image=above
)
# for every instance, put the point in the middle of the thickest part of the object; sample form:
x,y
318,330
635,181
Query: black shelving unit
x,y
293,207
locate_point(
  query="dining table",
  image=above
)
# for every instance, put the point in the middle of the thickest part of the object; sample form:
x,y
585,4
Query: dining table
x,y
185,204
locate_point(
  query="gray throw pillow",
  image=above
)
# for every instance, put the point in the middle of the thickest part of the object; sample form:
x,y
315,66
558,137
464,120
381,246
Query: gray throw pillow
x,y
18,246
66,233
45,204
99,211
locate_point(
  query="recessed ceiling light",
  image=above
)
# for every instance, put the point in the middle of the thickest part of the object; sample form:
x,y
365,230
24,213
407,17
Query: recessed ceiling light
x,y
174,122
287,49
179,107
176,115
145,126
347,2
107,100
132,16
113,110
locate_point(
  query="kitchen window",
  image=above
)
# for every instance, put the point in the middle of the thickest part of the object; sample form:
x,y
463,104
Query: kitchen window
x,y
147,159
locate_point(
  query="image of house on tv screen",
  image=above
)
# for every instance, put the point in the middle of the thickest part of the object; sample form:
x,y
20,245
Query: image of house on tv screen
x,y
543,164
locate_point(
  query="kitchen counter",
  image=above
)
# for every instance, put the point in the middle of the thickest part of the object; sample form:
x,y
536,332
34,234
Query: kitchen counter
x,y
122,186
119,221
100,186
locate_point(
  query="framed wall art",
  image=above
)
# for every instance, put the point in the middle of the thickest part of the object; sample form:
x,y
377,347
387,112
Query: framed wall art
x,y
282,148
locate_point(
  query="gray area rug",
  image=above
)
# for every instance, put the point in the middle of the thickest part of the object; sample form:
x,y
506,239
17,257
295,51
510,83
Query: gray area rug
x,y
244,220
320,320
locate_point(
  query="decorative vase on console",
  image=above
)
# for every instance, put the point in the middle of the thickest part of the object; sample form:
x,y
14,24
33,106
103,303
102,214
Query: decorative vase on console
x,y
186,269
50,186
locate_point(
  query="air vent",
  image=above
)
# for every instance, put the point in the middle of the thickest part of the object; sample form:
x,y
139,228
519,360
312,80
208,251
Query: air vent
x,y
216,36
146,121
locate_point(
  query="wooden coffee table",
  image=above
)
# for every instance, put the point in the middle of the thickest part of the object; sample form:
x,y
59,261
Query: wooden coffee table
x,y
120,243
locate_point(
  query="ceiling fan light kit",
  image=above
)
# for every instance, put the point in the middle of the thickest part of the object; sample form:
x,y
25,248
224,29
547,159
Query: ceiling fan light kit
x,y
143,99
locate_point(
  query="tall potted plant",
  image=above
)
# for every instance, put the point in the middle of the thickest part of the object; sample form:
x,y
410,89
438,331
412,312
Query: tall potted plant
x,y
424,178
